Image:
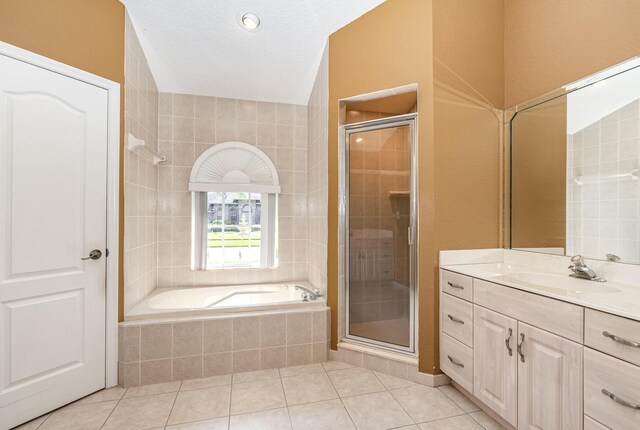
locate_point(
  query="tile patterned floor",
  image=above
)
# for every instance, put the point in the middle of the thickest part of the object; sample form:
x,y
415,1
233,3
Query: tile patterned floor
x,y
332,395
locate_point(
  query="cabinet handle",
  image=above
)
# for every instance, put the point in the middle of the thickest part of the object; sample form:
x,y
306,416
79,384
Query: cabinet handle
x,y
452,285
454,319
457,363
507,341
520,353
619,401
621,340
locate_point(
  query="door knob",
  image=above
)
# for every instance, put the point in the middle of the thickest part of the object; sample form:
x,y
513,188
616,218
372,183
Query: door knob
x,y
93,255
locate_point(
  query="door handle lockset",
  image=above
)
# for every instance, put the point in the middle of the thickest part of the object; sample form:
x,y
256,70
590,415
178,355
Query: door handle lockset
x,y
93,255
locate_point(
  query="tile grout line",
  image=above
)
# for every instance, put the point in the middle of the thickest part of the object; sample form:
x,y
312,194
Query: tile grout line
x,y
286,402
394,398
340,398
173,405
113,410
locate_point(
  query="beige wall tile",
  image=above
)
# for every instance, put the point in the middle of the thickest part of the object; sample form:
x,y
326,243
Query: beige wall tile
x,y
273,330
155,371
129,374
320,352
187,368
299,354
246,361
273,358
183,128
129,349
299,328
183,105
247,110
226,109
217,335
156,341
205,107
246,333
187,339
284,114
266,112
217,364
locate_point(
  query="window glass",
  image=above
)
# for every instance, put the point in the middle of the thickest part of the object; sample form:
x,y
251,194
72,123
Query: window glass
x,y
234,229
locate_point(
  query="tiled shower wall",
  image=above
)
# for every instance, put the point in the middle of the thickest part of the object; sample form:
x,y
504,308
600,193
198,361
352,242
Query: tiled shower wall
x,y
141,175
604,212
189,125
318,116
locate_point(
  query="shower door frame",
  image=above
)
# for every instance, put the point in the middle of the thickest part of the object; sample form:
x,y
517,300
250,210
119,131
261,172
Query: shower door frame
x,y
373,125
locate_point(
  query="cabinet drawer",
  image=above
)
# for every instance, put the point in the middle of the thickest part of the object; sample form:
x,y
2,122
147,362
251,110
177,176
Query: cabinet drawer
x,y
619,379
591,424
563,319
456,284
613,335
457,319
456,360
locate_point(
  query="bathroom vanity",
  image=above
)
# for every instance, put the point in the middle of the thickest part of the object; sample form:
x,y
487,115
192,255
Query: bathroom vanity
x,y
538,348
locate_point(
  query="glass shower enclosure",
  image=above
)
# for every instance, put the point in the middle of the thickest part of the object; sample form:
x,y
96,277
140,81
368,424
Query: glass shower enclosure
x,y
380,216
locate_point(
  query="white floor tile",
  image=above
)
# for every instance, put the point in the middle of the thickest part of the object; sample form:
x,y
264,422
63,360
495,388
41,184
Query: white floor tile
x,y
257,396
202,404
329,415
376,411
425,403
275,419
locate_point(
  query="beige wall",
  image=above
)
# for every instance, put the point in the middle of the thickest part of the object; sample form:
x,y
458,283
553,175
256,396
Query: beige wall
x,y
550,43
371,54
468,47
88,35
468,78
140,175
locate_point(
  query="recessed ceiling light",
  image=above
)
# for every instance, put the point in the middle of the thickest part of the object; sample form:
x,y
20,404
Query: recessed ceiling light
x,y
250,21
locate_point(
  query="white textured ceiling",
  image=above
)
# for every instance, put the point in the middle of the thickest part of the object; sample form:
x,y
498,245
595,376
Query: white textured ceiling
x,y
199,46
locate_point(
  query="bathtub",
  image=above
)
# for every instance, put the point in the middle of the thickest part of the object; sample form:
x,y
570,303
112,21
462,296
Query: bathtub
x,y
203,301
187,333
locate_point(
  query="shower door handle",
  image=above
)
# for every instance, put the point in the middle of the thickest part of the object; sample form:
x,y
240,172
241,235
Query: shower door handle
x,y
410,235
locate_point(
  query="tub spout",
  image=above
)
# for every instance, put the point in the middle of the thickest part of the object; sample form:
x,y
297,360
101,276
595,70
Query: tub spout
x,y
313,293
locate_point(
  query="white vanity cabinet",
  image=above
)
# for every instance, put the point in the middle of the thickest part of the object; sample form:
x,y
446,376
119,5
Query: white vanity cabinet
x,y
495,375
530,377
549,381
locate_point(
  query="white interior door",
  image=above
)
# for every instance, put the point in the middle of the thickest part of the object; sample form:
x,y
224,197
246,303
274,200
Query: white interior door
x,y
53,195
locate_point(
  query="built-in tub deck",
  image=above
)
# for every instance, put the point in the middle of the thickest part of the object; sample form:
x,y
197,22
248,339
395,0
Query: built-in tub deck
x,y
187,333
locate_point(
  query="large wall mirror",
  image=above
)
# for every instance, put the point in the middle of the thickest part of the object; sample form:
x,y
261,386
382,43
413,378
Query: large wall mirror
x,y
573,183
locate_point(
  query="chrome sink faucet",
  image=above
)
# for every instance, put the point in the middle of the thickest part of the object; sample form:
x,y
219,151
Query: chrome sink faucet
x,y
581,271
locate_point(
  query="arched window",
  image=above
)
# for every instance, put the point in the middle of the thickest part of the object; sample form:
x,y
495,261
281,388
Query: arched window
x,y
230,180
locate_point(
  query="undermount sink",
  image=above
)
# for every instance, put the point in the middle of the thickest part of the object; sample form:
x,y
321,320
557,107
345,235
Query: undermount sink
x,y
561,283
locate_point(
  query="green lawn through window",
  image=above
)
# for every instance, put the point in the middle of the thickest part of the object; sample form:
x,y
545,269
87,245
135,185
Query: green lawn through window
x,y
233,240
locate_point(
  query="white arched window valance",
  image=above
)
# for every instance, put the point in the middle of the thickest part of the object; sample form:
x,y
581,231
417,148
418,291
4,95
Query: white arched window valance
x,y
234,167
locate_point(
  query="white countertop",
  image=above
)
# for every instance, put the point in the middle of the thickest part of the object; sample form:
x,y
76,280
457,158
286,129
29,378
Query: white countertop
x,y
613,297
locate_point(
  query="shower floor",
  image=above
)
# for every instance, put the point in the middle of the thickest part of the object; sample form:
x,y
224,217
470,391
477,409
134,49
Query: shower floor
x,y
396,331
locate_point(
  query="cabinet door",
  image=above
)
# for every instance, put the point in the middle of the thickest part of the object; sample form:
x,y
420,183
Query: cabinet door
x,y
495,366
549,381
